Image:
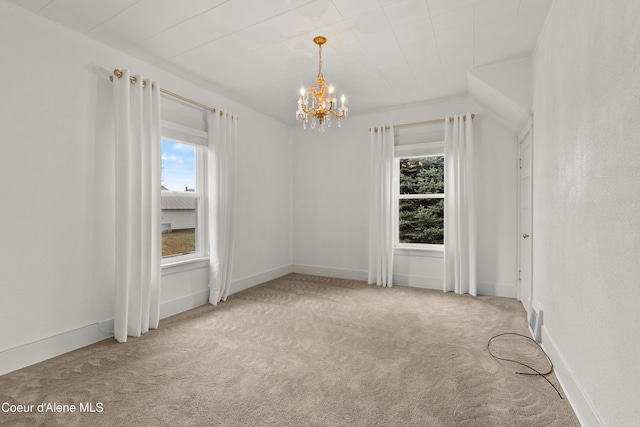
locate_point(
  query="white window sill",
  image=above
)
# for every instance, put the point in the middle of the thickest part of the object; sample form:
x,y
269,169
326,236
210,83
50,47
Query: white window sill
x,y
431,251
184,265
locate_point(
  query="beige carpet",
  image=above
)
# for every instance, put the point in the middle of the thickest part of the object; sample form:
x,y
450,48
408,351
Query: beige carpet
x,y
304,351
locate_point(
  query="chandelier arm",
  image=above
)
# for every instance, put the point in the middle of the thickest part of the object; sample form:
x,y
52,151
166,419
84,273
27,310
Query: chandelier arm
x,y
310,110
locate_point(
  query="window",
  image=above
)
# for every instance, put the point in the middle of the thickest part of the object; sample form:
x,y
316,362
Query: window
x,y
420,196
181,201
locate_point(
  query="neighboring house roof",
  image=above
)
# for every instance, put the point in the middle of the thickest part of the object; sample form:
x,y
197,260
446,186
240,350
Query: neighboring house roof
x,y
177,202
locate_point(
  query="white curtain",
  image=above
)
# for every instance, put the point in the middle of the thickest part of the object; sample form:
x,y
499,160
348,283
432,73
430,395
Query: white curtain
x,y
223,136
459,207
381,207
138,252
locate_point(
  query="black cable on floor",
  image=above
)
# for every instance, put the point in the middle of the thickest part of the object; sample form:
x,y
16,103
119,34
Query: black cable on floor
x,y
535,371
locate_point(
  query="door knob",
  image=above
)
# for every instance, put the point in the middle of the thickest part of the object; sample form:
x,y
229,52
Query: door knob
x,y
525,235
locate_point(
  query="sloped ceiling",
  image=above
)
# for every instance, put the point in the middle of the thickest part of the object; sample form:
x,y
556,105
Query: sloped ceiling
x,y
379,53
506,88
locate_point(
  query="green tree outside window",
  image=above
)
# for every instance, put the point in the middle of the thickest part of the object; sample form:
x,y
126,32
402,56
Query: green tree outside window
x,y
421,200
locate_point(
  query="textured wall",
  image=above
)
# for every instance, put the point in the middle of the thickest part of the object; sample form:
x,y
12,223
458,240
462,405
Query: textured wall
x,y
586,234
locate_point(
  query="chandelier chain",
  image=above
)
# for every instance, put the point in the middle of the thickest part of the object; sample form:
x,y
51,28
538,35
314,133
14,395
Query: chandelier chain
x,y
320,61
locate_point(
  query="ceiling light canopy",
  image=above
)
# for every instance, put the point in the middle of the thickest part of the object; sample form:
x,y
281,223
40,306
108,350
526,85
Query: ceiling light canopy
x,y
322,97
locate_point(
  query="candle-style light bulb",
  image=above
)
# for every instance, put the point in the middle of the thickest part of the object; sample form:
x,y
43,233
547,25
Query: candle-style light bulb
x,y
342,99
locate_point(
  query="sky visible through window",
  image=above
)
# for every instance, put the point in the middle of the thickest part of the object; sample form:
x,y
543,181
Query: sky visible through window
x,y
178,165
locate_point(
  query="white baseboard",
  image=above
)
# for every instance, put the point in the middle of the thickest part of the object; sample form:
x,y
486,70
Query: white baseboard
x,y
42,349
437,283
45,348
581,404
39,350
507,291
179,305
336,273
423,282
36,351
248,282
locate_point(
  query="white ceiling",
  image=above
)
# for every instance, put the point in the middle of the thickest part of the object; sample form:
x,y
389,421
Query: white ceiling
x,y
379,53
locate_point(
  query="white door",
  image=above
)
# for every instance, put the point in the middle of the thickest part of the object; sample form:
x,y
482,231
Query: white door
x,y
525,289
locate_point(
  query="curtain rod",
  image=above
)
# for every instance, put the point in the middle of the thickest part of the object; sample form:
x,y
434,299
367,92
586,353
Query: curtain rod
x,y
426,122
133,80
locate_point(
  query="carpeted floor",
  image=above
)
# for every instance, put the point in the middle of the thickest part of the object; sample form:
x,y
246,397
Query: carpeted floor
x,y
304,351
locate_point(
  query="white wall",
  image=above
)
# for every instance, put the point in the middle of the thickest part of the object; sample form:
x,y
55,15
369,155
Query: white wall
x,y
331,199
57,189
511,78
505,87
586,199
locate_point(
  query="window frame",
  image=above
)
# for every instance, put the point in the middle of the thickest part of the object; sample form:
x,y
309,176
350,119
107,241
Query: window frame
x,y
200,158
432,150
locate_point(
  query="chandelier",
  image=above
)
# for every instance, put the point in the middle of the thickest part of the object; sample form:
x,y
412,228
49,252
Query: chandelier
x,y
322,98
